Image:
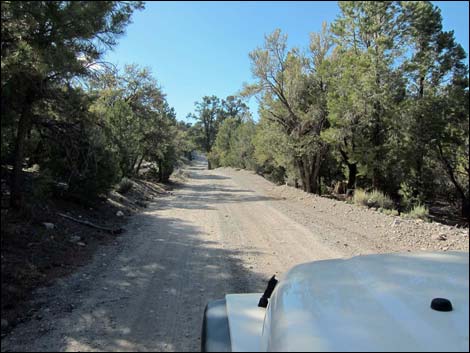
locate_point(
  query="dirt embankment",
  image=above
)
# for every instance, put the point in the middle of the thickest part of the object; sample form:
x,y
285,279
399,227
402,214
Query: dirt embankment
x,y
224,231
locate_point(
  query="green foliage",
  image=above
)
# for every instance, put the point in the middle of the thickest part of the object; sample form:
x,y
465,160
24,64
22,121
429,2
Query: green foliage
x,y
139,122
136,115
367,87
435,128
57,40
184,142
84,162
234,144
409,196
85,125
167,163
293,99
273,152
48,50
98,171
208,119
211,112
381,100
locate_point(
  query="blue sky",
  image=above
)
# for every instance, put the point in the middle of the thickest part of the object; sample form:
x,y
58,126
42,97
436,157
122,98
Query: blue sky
x,y
201,48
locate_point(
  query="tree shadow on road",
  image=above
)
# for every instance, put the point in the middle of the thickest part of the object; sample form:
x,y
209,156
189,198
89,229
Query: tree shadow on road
x,y
208,196
154,296
208,177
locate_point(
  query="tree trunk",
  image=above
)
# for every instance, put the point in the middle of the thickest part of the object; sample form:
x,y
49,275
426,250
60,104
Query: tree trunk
x,y
308,182
352,167
421,87
418,189
316,163
16,197
133,163
352,170
376,180
160,170
299,165
377,142
307,175
138,165
309,172
466,208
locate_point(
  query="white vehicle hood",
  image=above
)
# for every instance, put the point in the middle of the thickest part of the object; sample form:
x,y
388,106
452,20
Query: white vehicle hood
x,y
371,303
245,321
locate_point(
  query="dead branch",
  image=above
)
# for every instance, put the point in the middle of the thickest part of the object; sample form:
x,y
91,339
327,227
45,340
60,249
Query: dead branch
x,y
109,230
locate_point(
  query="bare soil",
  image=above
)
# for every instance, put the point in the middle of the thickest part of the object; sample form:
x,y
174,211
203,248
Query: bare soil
x,y
223,231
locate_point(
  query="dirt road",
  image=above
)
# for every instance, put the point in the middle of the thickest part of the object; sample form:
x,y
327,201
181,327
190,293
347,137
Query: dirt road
x,y
223,232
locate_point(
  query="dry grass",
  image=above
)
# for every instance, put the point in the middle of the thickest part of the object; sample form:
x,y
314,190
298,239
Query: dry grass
x,y
375,198
418,212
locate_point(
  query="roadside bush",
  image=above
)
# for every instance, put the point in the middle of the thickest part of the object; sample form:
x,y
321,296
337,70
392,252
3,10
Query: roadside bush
x,y
165,169
162,170
408,196
378,199
124,186
375,198
418,212
214,159
84,161
276,175
360,197
96,176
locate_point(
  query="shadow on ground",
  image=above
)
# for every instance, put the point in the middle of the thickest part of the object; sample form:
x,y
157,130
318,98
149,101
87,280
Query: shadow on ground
x,y
159,291
207,196
208,177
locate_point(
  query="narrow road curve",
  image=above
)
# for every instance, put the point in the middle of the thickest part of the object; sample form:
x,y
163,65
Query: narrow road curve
x,y
148,291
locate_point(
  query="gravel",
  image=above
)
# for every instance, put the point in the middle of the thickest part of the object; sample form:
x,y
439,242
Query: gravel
x,y
370,230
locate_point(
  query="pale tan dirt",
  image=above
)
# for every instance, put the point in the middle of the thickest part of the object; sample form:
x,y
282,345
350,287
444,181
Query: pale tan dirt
x,y
225,231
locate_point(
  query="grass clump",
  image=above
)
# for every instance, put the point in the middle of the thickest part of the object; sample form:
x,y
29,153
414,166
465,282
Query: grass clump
x,y
360,197
418,212
124,186
379,200
375,199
